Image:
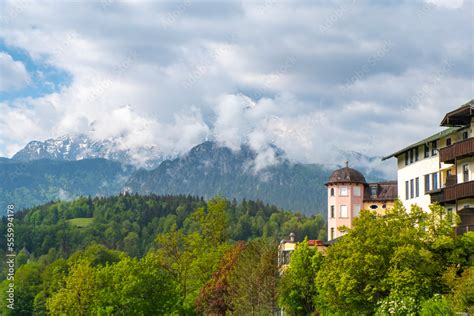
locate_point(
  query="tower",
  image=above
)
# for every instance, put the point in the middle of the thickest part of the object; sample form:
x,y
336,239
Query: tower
x,y
345,198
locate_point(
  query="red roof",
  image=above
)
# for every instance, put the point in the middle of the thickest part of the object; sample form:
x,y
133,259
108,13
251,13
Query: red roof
x,y
316,242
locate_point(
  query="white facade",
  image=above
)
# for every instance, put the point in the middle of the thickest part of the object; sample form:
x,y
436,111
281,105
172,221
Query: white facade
x,y
408,174
423,166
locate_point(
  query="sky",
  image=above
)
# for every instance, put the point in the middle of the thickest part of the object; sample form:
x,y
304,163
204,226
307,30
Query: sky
x,y
316,78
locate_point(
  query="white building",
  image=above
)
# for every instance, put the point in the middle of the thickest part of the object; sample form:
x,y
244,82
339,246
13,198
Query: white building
x,y
440,168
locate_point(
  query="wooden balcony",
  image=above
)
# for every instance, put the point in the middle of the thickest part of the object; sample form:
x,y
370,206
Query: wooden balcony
x,y
459,191
453,192
464,148
461,229
437,196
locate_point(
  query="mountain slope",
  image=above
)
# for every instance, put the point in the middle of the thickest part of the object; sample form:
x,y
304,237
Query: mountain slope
x,y
29,183
77,147
209,170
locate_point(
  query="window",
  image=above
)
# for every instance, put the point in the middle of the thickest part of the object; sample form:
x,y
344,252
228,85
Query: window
x,y
417,187
412,189
332,191
357,191
374,206
434,145
407,195
343,211
448,141
465,135
427,183
373,190
465,172
427,150
411,156
406,158
332,211
343,191
434,181
356,210
332,233
416,154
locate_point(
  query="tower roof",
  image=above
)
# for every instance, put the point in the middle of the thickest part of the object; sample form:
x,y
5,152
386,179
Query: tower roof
x,y
346,175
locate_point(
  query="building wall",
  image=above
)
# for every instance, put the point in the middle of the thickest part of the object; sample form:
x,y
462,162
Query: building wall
x,y
353,203
412,171
381,206
425,166
460,172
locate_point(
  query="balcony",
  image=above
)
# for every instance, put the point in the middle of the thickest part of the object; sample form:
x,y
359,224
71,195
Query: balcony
x,y
461,229
453,191
459,191
464,148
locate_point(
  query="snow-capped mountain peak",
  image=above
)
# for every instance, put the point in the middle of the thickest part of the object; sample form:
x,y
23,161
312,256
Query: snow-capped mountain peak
x,y
80,146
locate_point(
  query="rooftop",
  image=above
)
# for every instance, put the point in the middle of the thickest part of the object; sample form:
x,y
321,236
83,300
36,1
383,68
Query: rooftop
x,y
386,191
345,175
456,120
459,117
436,136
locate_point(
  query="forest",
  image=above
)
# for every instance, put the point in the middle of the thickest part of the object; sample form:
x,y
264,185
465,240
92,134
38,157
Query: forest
x,y
56,241
182,255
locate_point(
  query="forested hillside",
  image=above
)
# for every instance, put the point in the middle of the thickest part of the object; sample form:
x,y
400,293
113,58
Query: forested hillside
x,y
182,255
30,183
210,169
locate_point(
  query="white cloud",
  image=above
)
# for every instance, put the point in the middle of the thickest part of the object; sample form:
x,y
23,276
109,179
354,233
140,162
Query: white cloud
x,y
13,74
450,4
171,75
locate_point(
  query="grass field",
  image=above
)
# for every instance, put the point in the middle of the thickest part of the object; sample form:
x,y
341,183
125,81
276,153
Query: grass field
x,y
81,221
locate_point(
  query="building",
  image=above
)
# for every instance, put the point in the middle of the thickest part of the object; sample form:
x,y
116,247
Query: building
x,y
287,246
440,168
348,193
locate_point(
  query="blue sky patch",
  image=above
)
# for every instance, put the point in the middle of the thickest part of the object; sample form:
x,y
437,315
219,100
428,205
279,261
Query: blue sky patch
x,y
45,79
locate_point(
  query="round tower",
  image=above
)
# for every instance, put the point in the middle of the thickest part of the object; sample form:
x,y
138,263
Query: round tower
x,y
345,198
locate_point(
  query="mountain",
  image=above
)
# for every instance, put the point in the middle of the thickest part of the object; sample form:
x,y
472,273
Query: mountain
x,y
77,147
45,171
209,170
29,183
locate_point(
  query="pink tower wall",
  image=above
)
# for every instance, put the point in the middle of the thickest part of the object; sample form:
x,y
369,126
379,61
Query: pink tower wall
x,y
337,200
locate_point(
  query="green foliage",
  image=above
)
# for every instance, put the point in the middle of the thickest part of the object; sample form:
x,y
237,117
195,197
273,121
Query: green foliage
x,y
35,182
80,221
252,283
128,287
214,296
130,222
436,306
461,288
397,306
393,261
70,249
297,289
192,258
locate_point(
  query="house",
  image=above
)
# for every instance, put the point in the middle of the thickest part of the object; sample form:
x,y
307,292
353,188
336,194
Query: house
x,y
287,246
348,193
440,168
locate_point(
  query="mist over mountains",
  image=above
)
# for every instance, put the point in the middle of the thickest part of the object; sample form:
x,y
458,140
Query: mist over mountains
x,y
67,167
78,147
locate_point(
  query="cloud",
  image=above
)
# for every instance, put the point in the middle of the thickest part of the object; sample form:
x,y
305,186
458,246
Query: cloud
x,y
13,74
450,4
312,78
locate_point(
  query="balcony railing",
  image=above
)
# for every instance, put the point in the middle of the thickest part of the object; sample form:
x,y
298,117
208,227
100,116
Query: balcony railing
x,y
461,229
451,180
460,149
459,191
453,191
